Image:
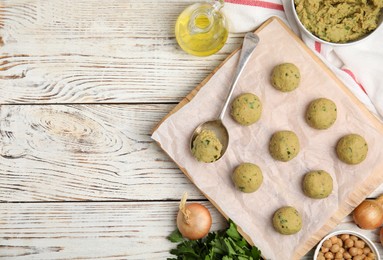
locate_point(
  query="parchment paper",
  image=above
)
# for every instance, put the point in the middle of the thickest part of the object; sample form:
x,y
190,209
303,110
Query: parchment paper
x,y
282,180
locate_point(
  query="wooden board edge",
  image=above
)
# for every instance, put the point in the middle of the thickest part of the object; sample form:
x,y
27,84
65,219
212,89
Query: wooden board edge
x,y
347,207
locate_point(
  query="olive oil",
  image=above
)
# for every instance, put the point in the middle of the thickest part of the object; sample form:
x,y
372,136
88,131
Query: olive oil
x,y
201,29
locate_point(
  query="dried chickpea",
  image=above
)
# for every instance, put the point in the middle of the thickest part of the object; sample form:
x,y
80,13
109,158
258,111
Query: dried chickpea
x,y
359,244
366,250
344,236
327,243
334,239
324,249
346,255
353,251
345,247
358,257
335,248
329,255
339,255
348,243
321,257
339,242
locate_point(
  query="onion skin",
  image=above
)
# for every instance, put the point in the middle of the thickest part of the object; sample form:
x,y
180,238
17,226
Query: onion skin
x,y
368,215
379,199
196,224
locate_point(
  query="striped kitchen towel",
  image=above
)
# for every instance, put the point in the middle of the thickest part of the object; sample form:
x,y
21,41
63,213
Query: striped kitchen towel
x,y
359,66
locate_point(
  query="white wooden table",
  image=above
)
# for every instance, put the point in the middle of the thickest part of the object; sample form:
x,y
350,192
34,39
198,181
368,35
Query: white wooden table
x,y
82,84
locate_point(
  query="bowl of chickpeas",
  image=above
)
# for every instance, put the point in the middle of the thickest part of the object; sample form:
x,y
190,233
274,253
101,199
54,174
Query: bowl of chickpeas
x,y
346,244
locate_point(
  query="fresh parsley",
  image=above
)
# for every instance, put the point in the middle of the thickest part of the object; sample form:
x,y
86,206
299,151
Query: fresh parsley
x,y
219,245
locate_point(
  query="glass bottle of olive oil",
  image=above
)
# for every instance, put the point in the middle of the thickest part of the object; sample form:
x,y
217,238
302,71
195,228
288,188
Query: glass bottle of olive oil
x,y
201,29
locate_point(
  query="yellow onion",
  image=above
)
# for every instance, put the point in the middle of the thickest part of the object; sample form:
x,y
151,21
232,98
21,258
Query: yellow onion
x,y
193,220
368,214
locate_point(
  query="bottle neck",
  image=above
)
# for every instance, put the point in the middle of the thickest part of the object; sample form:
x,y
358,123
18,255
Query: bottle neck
x,y
202,18
218,4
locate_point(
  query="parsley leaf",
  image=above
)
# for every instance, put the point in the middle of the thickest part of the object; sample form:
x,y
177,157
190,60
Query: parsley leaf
x,y
224,244
176,236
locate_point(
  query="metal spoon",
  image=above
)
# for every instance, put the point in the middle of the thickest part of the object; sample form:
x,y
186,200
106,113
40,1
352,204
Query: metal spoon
x,y
249,43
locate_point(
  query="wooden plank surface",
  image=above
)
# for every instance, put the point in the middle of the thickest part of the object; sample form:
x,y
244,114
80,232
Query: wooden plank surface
x,y
89,230
98,230
85,152
97,51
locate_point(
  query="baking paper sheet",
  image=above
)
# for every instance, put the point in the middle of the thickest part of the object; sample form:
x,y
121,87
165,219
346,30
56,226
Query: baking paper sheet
x,y
282,180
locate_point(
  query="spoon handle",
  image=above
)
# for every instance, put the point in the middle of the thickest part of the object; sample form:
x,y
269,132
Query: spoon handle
x,y
249,43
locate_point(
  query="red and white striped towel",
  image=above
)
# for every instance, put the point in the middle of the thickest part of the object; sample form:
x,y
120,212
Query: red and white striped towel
x,y
359,66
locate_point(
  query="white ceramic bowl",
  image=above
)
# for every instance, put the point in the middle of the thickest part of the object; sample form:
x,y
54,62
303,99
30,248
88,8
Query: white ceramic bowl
x,y
316,38
349,232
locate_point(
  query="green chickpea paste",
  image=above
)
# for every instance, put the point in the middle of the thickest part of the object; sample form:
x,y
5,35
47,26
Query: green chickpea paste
x,y
339,20
207,147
